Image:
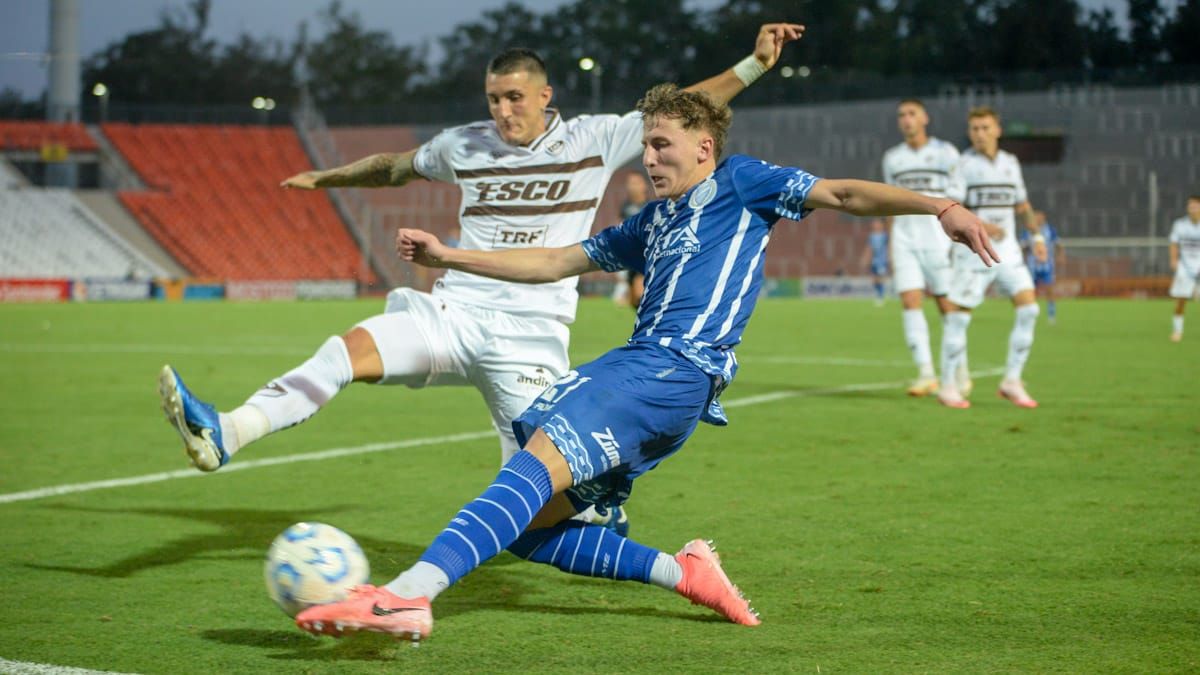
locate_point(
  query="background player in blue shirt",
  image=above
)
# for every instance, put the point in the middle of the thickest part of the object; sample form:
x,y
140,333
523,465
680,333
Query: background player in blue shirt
x,y
1043,271
875,257
701,247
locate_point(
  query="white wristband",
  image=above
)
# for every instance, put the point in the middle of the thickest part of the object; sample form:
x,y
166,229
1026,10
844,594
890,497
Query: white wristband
x,y
1038,239
749,69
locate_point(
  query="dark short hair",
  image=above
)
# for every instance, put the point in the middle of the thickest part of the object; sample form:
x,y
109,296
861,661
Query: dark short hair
x,y
914,101
1194,198
517,59
693,109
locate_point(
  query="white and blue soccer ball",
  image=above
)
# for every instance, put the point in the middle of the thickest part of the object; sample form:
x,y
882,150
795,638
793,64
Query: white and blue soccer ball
x,y
313,564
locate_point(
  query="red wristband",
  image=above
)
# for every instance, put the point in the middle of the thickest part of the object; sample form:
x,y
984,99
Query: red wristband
x,y
943,211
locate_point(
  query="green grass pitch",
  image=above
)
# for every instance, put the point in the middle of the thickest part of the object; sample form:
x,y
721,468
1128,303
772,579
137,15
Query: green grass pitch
x,y
875,533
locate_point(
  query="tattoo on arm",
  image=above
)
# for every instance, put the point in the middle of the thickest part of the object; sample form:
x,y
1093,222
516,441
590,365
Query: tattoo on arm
x,y
382,170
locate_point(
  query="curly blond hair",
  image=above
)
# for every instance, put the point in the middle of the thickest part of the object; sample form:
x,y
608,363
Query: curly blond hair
x,y
693,110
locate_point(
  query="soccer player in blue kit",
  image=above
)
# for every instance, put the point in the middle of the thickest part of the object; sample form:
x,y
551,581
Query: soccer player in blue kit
x,y
585,439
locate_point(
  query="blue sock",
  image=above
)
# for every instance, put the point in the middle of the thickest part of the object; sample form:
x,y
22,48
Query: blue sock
x,y
1051,309
588,550
494,520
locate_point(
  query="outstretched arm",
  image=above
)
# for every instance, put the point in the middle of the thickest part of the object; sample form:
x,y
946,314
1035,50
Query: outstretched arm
x,y
520,265
383,170
866,198
771,39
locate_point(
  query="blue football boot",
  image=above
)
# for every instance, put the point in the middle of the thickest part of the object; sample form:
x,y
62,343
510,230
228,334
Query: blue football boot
x,y
196,421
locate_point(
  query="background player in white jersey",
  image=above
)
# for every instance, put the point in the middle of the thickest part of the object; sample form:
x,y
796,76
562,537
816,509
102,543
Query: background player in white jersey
x,y
1185,261
995,191
920,250
528,178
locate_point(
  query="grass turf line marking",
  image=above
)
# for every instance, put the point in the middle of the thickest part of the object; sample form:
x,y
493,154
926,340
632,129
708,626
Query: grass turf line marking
x,y
72,488
27,668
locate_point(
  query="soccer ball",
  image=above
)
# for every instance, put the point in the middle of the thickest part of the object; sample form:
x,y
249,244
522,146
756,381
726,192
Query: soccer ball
x,y
313,564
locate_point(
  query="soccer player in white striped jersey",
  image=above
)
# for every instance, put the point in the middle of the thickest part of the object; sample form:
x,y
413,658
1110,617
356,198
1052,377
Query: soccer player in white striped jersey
x,y
528,178
920,250
995,191
1185,262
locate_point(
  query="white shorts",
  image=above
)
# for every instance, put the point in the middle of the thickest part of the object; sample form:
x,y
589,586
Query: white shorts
x,y
970,278
1184,284
425,340
915,269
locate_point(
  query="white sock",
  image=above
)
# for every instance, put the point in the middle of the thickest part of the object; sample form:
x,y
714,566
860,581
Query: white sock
x,y
297,395
421,580
1177,323
666,571
241,426
954,345
1020,340
916,335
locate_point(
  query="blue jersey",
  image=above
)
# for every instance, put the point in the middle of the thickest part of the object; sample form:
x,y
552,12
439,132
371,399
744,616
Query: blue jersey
x,y
703,259
1051,236
878,241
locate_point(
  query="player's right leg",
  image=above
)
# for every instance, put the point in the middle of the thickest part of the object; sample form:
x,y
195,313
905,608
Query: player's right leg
x,y
390,348
909,279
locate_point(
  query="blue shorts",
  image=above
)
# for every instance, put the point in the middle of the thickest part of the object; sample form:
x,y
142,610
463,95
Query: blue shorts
x,y
879,269
617,417
1042,276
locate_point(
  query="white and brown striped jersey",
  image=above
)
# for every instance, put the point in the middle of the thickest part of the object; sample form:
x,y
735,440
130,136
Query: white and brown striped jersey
x,y
993,189
1186,235
930,170
542,194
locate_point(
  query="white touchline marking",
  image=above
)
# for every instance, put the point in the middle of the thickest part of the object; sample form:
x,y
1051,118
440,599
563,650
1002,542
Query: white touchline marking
x,y
27,668
71,488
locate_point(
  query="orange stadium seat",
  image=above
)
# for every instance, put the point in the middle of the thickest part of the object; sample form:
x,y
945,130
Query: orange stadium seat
x,y
215,202
36,134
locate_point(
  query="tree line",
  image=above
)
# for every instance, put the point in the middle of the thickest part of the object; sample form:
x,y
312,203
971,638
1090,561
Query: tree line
x,y
640,43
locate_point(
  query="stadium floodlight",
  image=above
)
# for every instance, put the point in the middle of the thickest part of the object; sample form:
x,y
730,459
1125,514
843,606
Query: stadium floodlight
x,y
100,89
259,103
586,64
787,71
803,71
269,104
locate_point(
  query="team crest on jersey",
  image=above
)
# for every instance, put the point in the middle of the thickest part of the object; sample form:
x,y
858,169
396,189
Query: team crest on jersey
x,y
703,193
555,147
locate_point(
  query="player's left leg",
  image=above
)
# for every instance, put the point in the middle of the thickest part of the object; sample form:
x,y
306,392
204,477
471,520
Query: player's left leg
x,y
1183,287
1014,279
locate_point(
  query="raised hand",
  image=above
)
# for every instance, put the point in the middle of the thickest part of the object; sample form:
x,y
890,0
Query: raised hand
x,y
771,39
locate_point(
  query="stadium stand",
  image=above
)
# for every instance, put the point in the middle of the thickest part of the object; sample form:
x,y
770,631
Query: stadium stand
x,y
34,134
215,203
50,233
